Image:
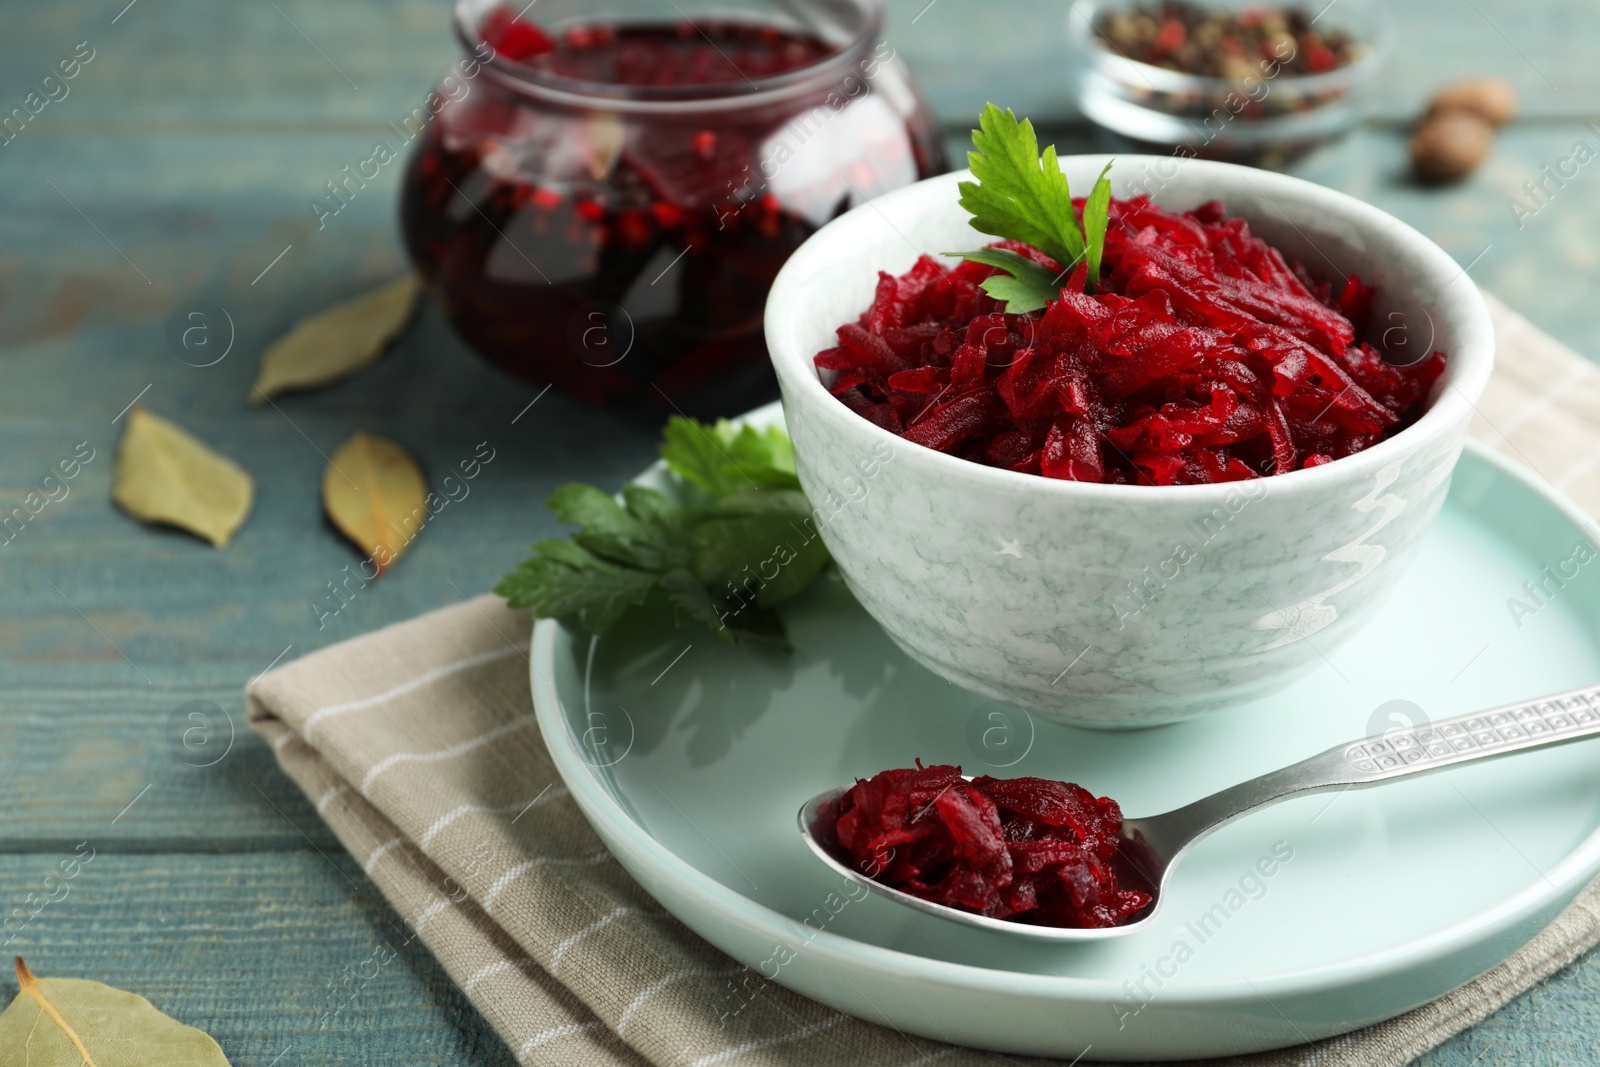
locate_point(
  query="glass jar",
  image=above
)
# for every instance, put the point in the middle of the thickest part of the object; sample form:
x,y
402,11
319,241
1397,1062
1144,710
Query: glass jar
x,y
601,199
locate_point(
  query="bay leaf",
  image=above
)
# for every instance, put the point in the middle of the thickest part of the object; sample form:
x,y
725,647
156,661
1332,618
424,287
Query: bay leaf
x,y
164,474
69,1022
605,137
337,341
373,491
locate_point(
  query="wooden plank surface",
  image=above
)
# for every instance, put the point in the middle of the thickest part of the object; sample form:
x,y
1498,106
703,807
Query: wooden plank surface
x,y
180,166
285,958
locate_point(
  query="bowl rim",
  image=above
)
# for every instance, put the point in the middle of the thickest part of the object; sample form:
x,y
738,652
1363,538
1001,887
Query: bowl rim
x,y
1466,372
1163,79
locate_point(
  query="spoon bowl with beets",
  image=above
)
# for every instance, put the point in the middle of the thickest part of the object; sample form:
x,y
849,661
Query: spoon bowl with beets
x,y
1048,860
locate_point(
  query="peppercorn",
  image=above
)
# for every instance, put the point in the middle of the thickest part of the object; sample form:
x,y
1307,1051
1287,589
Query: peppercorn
x,y
1183,36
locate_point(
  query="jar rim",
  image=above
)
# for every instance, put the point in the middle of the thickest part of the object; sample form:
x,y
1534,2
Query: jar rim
x,y
583,93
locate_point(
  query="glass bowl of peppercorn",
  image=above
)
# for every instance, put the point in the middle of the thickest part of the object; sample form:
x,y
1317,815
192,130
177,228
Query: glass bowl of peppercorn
x,y
1252,83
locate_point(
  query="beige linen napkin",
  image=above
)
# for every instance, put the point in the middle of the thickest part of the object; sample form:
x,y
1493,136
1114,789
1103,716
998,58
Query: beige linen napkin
x,y
417,744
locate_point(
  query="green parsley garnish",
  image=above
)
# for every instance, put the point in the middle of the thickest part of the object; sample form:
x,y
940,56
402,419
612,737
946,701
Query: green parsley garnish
x,y
732,538
1023,196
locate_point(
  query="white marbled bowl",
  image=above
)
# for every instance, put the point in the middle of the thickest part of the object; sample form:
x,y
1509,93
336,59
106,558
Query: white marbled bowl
x,y
1122,606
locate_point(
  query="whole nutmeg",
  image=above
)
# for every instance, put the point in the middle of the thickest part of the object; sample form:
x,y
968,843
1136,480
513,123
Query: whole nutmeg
x,y
1449,145
1491,99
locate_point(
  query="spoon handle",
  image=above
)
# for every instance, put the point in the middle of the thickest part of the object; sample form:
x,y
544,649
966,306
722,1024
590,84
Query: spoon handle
x,y
1552,720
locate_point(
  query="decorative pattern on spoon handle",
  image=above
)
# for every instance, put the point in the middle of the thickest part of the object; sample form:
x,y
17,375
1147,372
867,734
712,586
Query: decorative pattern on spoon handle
x,y
1549,720
1568,716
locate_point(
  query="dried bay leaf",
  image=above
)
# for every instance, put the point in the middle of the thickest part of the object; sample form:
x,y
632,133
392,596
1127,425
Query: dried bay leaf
x,y
68,1022
374,493
605,136
164,474
336,342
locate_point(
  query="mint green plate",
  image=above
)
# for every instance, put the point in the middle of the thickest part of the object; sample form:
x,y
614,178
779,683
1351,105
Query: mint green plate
x,y
691,758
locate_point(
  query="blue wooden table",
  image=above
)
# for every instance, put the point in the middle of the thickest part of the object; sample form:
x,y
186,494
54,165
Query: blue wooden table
x,y
180,166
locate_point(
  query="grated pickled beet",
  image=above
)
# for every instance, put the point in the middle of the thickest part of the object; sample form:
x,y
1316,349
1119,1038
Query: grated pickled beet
x,y
1026,849
1205,356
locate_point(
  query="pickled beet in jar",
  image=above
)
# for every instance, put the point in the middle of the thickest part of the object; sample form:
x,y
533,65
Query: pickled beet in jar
x,y
608,189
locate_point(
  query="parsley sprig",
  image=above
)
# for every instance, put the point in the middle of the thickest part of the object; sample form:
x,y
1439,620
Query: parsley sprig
x,y
1023,196
730,539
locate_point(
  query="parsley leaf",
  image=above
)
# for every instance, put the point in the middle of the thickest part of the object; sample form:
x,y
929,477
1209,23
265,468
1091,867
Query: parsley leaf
x,y
764,558
723,458
731,538
617,533
690,600
1028,286
1023,196
565,580
1096,217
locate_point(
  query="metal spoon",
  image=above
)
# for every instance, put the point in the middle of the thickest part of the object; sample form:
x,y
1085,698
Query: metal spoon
x,y
1152,846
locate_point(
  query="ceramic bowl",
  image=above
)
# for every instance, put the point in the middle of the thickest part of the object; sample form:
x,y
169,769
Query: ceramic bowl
x,y
1120,606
